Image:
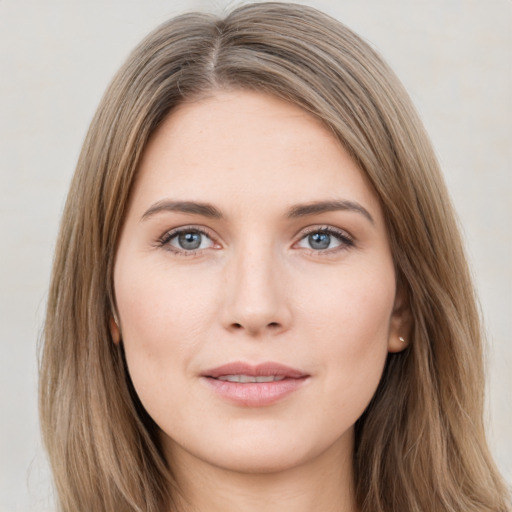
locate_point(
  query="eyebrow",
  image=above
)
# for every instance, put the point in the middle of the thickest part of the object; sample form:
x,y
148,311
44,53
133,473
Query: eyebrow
x,y
191,207
303,210
297,211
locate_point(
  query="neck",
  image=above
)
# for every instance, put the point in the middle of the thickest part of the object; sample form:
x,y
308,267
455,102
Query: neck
x,y
324,483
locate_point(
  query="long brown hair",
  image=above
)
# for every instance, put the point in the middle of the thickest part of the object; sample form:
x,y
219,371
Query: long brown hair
x,y
420,445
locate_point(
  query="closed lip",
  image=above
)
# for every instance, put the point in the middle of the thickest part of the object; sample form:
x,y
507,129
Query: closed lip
x,y
236,382
267,369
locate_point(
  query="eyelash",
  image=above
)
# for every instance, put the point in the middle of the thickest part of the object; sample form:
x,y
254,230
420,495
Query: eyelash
x,y
346,241
163,241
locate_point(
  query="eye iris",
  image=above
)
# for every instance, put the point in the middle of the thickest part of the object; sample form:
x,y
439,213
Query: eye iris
x,y
190,240
319,240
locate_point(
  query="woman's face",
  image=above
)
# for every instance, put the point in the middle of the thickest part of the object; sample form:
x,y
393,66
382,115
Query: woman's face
x,y
255,286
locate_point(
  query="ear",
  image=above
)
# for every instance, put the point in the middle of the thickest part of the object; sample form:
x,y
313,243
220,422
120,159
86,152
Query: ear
x,y
115,331
400,326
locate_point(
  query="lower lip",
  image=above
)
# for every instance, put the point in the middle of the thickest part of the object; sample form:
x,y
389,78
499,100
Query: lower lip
x,y
255,394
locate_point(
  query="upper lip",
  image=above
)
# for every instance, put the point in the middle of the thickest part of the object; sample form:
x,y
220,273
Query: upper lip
x,y
267,369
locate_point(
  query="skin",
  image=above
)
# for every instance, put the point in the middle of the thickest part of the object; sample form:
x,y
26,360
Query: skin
x,y
256,290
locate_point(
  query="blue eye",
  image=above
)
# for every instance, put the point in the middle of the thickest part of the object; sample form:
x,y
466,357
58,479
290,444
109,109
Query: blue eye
x,y
187,240
325,239
319,241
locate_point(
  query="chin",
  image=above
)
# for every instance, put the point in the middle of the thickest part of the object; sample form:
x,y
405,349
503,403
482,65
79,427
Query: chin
x,y
258,461
259,451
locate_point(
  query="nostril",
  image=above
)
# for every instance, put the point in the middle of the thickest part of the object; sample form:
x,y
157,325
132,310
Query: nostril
x,y
272,325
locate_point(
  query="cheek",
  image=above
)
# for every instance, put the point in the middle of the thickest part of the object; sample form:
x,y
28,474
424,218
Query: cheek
x,y
162,326
350,323
156,302
352,304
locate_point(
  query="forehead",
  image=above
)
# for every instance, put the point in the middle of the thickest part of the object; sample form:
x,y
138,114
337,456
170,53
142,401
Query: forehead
x,y
250,147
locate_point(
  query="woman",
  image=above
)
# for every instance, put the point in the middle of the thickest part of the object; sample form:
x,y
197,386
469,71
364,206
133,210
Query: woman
x,y
260,298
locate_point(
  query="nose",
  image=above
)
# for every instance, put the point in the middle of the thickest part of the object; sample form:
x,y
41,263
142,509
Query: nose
x,y
256,300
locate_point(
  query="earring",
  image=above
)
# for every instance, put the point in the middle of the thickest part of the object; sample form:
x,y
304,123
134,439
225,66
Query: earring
x,y
401,339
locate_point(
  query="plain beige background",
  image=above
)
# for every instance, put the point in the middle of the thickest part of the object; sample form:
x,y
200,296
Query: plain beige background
x,y
56,58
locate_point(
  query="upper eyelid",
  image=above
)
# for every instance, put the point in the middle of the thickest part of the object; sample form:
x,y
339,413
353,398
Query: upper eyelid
x,y
346,239
302,233
323,227
188,227
169,234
